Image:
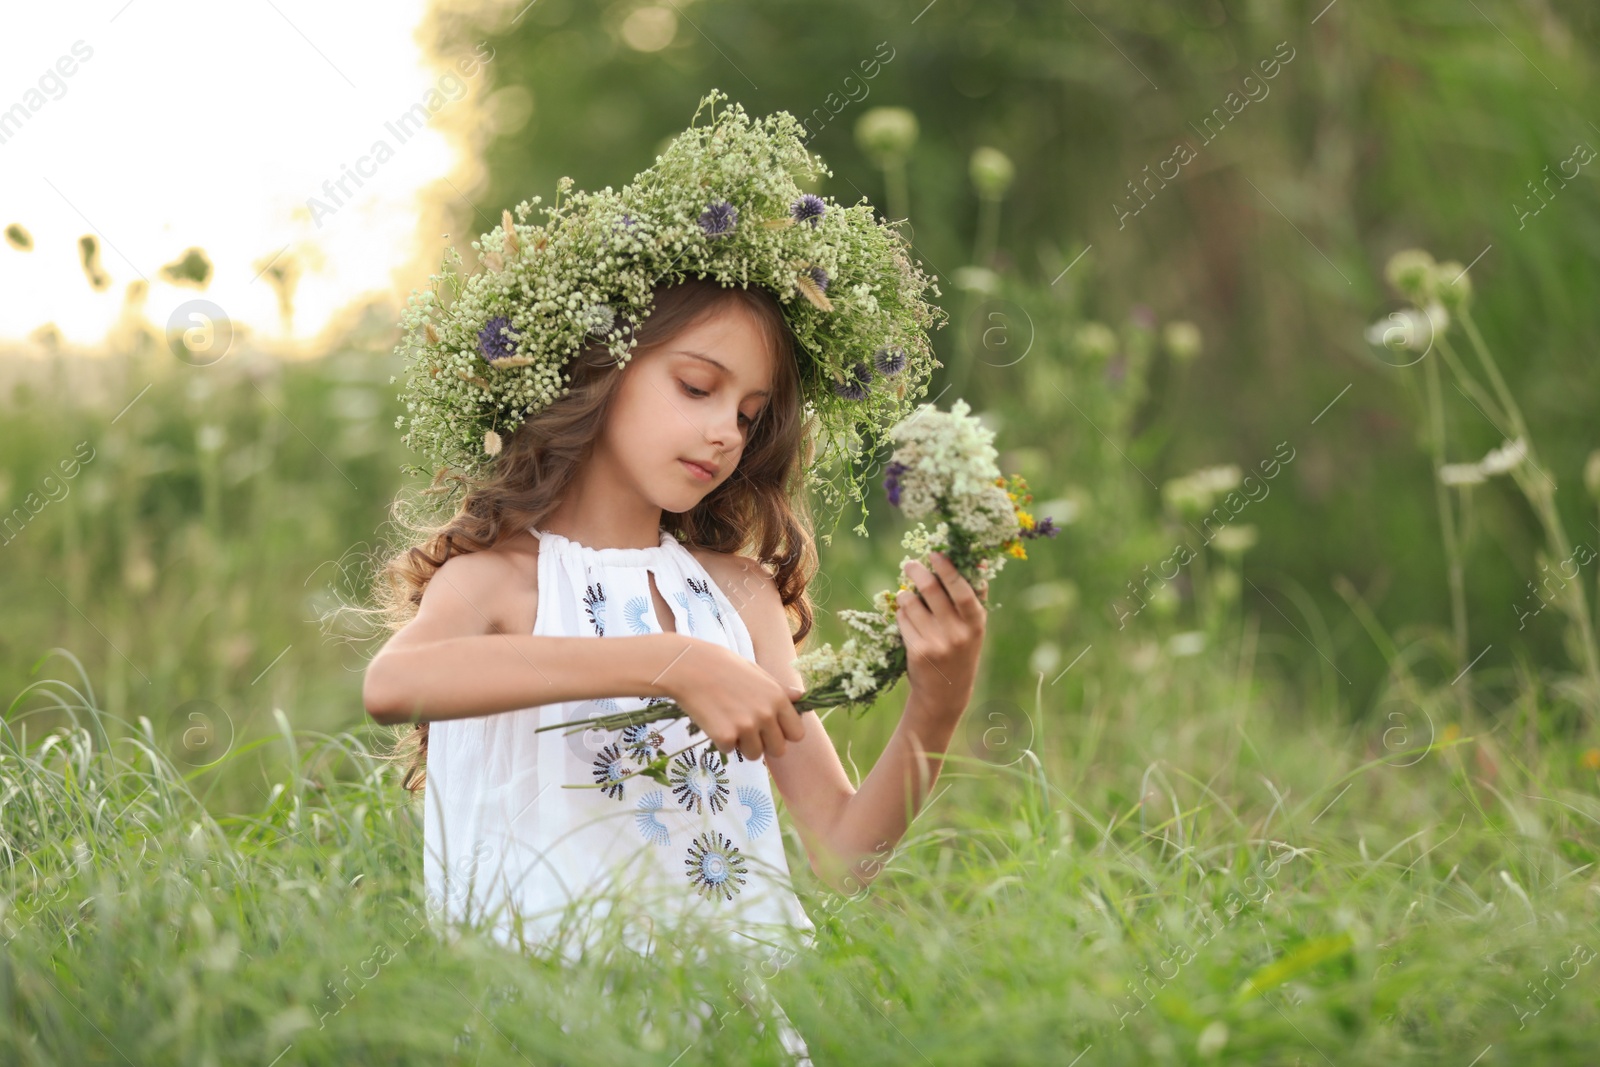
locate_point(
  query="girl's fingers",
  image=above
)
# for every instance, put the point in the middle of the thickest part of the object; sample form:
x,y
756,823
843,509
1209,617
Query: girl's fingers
x,y
908,615
962,595
790,723
772,739
932,588
750,744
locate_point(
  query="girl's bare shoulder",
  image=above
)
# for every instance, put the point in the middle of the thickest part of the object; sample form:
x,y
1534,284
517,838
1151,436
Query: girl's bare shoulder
x,y
740,578
501,583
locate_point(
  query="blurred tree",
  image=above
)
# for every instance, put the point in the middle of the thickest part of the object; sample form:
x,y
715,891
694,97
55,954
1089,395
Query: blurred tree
x,y
1245,166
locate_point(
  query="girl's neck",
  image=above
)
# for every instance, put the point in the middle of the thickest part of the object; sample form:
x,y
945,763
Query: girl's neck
x,y
605,526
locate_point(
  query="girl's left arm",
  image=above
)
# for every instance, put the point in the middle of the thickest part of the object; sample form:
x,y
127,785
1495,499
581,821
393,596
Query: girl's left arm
x,y
849,832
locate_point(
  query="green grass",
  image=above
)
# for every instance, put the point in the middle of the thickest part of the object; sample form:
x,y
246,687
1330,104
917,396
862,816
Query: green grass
x,y
1189,839
1155,866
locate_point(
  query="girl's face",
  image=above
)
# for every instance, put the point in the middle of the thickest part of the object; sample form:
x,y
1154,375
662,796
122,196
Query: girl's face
x,y
683,412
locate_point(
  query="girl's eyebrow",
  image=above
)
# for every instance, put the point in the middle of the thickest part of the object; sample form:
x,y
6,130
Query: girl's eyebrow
x,y
723,368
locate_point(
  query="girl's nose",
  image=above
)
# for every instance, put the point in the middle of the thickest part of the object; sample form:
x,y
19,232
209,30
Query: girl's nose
x,y
724,433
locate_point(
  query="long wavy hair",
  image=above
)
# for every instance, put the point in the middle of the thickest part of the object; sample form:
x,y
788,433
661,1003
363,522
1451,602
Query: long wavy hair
x,y
760,512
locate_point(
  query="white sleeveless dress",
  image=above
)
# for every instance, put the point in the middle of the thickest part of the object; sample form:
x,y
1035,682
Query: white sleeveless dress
x,y
503,836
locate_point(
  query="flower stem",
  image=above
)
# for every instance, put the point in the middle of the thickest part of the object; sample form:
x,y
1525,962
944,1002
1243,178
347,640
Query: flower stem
x,y
1452,549
1541,494
1513,413
659,761
1474,390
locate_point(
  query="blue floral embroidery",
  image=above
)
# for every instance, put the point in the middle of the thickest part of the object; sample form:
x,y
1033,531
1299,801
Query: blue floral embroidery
x,y
702,589
653,829
637,612
715,866
761,810
594,602
644,742
697,783
608,771
683,602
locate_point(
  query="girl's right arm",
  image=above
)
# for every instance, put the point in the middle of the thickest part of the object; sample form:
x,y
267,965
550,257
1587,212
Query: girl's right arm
x,y
455,660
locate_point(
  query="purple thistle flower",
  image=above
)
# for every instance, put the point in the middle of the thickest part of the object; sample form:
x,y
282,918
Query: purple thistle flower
x,y
719,218
855,387
891,482
495,340
890,361
818,275
809,208
1045,527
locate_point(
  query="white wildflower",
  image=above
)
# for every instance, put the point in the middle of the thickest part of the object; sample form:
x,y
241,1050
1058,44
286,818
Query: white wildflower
x,y
1232,540
1462,474
943,468
1507,457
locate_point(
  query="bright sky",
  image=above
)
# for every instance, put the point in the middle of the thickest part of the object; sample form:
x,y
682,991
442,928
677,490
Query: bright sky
x,y
197,123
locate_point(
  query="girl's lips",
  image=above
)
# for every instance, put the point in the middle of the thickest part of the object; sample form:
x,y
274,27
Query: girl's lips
x,y
696,470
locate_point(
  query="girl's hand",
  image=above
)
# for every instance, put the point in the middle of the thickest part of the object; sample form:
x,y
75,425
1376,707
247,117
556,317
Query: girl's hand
x,y
733,701
942,622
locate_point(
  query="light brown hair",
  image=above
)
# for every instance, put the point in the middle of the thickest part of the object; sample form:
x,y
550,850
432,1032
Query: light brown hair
x,y
760,511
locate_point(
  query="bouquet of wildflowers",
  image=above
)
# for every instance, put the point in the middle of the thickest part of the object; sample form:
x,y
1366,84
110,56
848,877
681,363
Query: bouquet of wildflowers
x,y
942,470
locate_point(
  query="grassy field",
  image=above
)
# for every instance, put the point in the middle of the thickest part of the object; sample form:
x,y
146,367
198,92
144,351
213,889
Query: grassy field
x,y
1325,789
1181,839
1147,864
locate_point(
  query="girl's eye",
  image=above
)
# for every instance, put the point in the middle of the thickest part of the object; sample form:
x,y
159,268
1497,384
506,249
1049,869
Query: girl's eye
x,y
698,393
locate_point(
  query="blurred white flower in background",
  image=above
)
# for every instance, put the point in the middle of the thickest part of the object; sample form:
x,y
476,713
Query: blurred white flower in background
x,y
1188,643
1462,474
1506,458
1502,460
1233,540
1045,658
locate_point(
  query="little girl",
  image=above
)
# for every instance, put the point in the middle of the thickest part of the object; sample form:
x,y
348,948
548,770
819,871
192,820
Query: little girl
x,y
655,506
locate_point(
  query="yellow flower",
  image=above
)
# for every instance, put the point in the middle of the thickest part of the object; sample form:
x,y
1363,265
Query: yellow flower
x,y
1024,519
1591,759
1451,732
1015,548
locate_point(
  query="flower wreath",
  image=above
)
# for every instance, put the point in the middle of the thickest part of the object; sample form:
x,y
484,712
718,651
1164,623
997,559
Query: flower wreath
x,y
721,201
